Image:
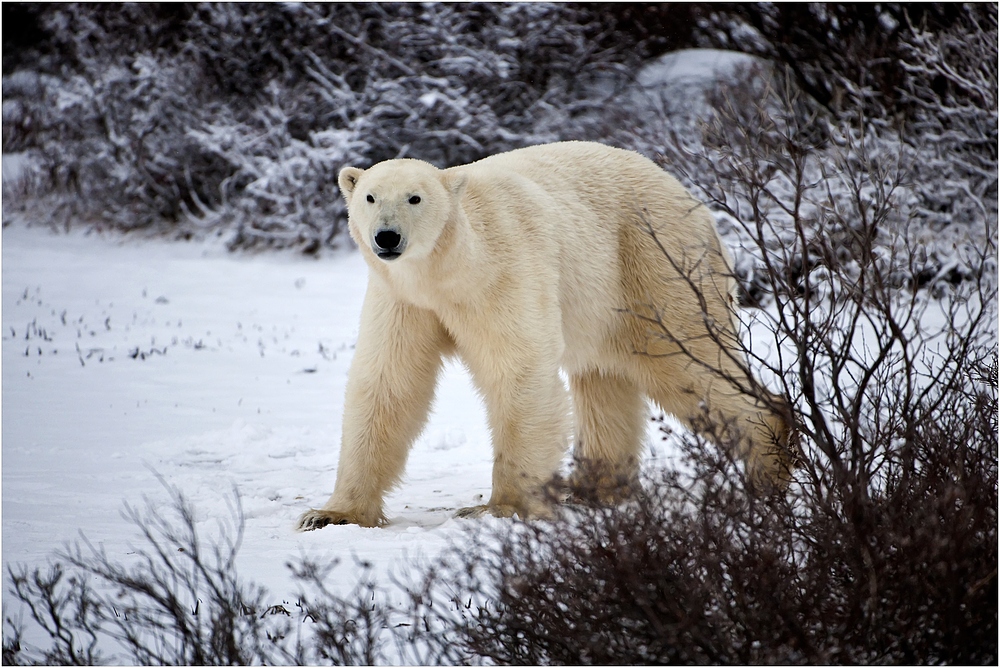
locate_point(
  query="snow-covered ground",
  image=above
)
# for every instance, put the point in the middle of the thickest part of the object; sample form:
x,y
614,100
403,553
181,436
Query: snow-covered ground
x,y
124,360
121,360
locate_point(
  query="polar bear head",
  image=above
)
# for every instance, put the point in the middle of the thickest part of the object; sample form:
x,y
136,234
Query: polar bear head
x,y
398,208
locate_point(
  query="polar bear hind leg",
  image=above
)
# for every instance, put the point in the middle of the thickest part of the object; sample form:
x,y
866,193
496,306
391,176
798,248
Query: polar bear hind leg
x,y
610,413
687,357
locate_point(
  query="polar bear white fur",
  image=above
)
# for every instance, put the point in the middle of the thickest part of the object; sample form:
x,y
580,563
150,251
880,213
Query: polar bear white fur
x,y
564,255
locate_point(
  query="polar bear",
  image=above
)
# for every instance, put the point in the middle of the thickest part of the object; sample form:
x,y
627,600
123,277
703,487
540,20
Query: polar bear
x,y
570,256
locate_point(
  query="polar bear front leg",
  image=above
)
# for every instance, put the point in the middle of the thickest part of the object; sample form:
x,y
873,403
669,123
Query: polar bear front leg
x,y
528,411
390,388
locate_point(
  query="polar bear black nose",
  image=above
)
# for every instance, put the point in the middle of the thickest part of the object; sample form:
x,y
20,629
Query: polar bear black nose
x,y
387,239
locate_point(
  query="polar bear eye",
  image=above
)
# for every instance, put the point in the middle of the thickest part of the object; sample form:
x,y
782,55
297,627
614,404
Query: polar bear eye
x,y
371,199
415,199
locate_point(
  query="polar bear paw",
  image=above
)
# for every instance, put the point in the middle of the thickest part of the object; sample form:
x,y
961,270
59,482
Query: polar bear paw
x,y
538,511
317,519
475,512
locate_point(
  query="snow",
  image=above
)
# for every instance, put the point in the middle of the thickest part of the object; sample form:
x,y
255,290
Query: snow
x,y
123,360
127,360
675,85
14,167
18,171
702,68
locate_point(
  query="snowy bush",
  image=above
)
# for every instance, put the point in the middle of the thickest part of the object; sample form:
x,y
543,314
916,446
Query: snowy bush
x,y
766,139
950,86
190,119
832,51
237,117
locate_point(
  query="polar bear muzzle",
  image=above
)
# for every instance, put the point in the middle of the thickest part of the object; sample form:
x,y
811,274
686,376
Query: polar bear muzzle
x,y
388,244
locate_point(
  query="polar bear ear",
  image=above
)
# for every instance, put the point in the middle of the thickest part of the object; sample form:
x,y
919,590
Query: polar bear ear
x,y
347,179
455,184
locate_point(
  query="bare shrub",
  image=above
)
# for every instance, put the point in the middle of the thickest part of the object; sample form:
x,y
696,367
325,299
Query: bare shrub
x,y
833,238
884,547
181,601
698,570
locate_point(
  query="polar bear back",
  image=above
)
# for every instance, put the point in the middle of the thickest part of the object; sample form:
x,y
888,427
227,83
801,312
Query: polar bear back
x,y
601,178
592,207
